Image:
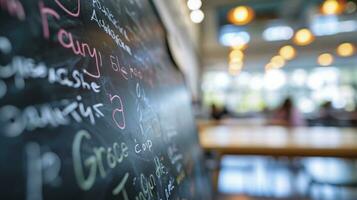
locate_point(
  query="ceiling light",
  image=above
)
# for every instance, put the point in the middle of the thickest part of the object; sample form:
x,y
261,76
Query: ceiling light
x,y
324,25
241,15
235,38
303,37
236,59
345,49
278,33
240,47
236,54
331,7
197,16
287,52
269,66
325,59
277,61
330,25
236,64
194,4
235,67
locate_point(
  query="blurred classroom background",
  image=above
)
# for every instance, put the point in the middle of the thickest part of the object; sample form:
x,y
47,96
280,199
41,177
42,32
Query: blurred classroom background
x,y
274,86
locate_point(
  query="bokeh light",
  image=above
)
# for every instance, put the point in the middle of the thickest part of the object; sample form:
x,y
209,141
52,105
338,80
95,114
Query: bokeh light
x,y
288,52
325,59
241,15
345,49
197,16
194,4
331,7
277,61
236,54
303,37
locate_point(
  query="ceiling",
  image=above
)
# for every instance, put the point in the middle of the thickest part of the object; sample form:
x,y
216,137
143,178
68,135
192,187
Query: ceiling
x,y
294,13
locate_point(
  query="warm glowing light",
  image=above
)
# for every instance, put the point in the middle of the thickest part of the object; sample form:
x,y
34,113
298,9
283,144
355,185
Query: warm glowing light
x,y
236,54
345,49
240,47
236,60
234,71
303,37
236,64
277,61
194,4
241,15
331,7
325,59
197,16
287,52
235,67
269,66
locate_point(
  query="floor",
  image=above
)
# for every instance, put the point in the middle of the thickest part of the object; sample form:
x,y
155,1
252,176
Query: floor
x,y
258,178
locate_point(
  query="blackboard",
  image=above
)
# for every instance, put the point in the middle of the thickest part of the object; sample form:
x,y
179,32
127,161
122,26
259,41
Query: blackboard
x,y
92,105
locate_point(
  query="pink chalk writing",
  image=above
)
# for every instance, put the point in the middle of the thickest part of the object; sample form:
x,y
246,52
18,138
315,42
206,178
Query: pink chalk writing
x,y
44,13
126,71
118,111
65,38
14,8
80,48
75,14
117,67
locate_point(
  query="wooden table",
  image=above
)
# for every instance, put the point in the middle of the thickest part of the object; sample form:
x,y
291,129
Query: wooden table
x,y
279,141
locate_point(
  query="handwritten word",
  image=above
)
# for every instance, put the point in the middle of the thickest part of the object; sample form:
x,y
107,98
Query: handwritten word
x,y
160,169
149,123
42,168
147,187
106,28
126,72
100,159
170,187
74,79
66,40
117,67
146,146
77,110
120,187
110,17
22,68
118,115
175,157
134,72
14,8
105,11
14,121
80,50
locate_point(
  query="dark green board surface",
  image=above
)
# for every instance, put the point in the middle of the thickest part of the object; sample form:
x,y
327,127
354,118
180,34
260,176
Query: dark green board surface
x,y
92,105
